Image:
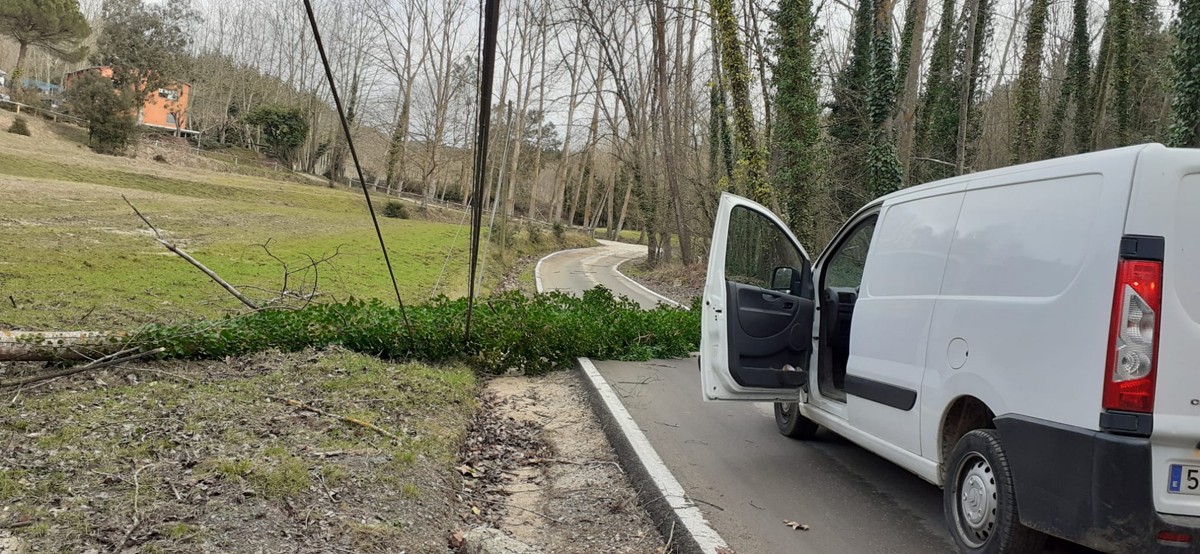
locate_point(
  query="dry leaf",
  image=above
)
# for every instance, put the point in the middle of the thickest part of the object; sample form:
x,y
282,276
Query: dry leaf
x,y
794,525
456,539
475,510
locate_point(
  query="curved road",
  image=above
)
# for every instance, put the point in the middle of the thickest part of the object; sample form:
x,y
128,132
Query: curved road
x,y
745,477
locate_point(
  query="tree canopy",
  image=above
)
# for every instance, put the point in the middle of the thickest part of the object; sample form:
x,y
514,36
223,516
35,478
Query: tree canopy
x,y
56,26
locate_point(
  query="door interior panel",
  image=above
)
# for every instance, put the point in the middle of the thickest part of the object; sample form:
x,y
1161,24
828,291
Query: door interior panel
x,y
767,330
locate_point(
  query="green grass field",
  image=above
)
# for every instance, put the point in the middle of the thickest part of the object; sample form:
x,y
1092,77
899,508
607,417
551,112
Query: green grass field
x,y
74,255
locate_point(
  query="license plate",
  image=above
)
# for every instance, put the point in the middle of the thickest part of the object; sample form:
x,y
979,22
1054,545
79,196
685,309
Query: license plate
x,y
1184,479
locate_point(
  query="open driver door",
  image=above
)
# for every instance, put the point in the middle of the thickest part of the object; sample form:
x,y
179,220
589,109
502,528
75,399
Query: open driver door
x,y
757,321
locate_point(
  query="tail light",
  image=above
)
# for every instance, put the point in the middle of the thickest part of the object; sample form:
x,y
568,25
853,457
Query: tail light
x,y
1132,348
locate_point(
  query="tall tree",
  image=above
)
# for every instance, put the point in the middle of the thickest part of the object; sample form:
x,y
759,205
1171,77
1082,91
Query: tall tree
x,y
1029,84
1074,90
911,55
849,117
1185,125
884,171
665,125
737,73
797,136
56,26
937,124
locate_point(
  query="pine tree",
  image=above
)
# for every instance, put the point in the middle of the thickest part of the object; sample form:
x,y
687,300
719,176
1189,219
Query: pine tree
x,y
56,26
1029,84
1185,125
797,134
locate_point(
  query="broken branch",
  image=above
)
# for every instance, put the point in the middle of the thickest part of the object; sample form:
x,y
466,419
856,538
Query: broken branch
x,y
347,419
110,360
171,246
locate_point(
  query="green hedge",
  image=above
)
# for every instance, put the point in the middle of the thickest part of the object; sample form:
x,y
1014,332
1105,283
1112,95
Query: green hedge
x,y
535,334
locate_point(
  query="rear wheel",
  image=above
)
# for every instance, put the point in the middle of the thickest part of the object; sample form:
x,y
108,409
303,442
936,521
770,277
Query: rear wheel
x,y
791,423
980,501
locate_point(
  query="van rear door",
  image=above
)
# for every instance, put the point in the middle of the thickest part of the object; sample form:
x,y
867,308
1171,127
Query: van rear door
x,y
1165,202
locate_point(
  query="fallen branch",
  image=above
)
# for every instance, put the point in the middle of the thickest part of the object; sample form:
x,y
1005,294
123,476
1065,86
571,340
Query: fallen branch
x,y
347,419
110,360
170,246
44,346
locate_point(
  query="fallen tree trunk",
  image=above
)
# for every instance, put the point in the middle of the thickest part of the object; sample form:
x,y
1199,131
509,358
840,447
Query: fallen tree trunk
x,y
45,346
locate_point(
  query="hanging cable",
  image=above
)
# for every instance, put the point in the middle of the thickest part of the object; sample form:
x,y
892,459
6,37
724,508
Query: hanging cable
x,y
337,101
491,17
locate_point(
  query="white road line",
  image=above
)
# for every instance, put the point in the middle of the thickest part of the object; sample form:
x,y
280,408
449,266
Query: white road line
x,y
668,487
662,298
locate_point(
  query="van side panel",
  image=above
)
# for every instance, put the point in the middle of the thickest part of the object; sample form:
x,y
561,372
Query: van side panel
x,y
1166,203
891,318
1026,299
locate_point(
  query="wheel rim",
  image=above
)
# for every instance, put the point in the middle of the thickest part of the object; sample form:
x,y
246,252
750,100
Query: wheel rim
x,y
976,496
785,413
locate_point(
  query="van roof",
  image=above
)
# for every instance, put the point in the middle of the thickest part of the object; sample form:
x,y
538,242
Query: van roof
x,y
1084,159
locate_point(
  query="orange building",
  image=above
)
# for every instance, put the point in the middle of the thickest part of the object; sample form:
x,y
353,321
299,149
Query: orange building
x,y
165,108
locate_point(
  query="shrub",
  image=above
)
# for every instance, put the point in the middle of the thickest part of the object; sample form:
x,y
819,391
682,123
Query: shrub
x,y
395,209
535,334
19,127
112,126
535,232
560,231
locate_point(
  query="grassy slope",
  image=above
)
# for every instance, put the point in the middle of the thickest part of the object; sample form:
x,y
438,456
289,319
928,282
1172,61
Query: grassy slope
x,y
70,247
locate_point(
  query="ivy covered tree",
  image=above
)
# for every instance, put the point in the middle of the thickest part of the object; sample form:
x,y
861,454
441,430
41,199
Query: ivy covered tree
x,y
797,135
284,129
850,119
55,26
938,119
751,159
1074,91
884,172
1185,124
1029,85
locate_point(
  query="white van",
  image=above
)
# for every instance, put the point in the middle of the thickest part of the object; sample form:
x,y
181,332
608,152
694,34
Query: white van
x,y
1026,338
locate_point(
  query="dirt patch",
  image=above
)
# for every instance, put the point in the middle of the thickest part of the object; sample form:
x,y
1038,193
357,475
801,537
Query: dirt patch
x,y
209,457
536,465
681,284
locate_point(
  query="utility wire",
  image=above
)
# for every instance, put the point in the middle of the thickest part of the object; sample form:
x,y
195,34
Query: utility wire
x,y
491,16
337,101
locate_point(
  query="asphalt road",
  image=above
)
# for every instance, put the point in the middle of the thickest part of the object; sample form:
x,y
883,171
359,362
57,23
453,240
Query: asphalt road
x,y
747,478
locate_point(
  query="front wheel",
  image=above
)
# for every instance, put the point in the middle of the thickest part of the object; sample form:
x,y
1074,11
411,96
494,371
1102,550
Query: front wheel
x,y
980,501
791,424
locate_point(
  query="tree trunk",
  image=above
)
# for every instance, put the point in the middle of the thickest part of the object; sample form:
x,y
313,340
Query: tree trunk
x,y
964,98
670,163
911,92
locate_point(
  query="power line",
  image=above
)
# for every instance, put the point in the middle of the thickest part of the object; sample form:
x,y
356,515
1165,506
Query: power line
x,y
337,101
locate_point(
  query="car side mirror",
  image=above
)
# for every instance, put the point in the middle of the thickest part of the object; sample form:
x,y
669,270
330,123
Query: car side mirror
x,y
782,278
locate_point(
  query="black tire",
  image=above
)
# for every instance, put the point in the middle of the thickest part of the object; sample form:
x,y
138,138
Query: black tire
x,y
791,424
984,519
